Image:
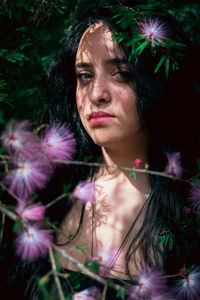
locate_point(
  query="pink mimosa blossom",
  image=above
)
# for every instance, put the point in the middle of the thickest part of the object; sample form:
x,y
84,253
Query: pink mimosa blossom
x,y
58,142
194,196
153,30
151,283
85,191
19,138
105,258
87,294
137,162
30,213
174,165
28,176
33,243
189,286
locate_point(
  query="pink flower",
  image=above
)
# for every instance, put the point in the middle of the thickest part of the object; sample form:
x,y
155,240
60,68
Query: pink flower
x,y
189,286
105,258
85,191
31,212
153,30
151,283
33,243
194,196
58,142
28,176
174,165
19,138
137,162
87,294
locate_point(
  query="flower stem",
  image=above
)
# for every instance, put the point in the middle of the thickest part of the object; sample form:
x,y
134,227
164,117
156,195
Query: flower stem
x,y
57,281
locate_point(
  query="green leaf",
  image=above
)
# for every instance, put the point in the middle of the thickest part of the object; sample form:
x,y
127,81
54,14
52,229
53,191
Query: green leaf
x,y
120,294
86,158
142,47
159,64
3,84
16,226
167,67
94,266
133,175
2,150
81,248
72,234
66,188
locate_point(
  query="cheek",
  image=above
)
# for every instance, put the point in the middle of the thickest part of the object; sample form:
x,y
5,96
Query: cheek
x,y
80,103
128,102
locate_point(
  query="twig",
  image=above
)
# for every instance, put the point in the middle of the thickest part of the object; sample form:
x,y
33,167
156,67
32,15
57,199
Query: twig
x,y
9,191
84,270
57,229
95,164
57,281
2,226
56,199
8,213
104,291
4,156
65,276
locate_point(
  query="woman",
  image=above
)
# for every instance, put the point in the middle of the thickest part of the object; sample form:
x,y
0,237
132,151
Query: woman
x,y
125,114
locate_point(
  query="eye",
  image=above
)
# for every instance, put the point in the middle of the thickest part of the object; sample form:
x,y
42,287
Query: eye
x,y
84,78
122,75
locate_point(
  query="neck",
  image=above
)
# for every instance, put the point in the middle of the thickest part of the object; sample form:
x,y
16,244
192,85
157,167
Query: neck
x,y
124,154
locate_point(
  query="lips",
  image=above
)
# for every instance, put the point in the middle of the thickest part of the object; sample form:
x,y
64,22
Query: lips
x,y
98,118
99,114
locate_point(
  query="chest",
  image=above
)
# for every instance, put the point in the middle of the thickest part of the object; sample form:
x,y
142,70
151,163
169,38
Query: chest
x,y
108,227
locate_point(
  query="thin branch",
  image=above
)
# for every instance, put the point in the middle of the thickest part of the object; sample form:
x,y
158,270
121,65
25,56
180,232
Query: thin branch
x,y
9,191
85,270
95,164
104,291
4,156
2,226
8,213
65,276
57,281
57,199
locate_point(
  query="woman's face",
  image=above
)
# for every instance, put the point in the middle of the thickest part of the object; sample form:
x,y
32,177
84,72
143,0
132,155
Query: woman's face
x,y
105,96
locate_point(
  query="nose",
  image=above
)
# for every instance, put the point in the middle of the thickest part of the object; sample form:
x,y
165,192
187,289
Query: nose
x,y
100,92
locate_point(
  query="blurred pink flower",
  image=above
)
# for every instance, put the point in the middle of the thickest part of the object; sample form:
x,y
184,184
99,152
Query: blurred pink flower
x,y
174,165
105,258
58,142
19,138
30,213
189,286
85,191
87,294
137,162
194,196
33,243
151,283
28,176
153,30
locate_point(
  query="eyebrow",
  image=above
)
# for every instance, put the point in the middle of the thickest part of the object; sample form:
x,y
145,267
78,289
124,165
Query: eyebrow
x,y
114,61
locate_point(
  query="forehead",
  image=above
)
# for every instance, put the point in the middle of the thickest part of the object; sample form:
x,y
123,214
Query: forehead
x,y
97,42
